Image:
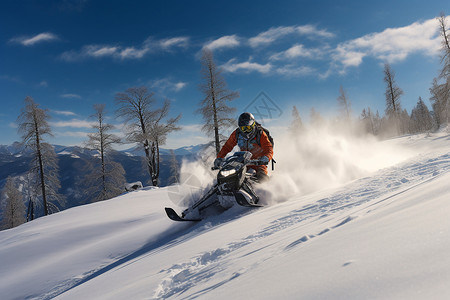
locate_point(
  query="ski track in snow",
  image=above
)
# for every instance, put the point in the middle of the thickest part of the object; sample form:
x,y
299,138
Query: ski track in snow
x,y
382,187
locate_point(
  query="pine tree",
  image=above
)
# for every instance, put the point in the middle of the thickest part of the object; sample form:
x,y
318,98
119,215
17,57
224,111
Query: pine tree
x,y
404,121
440,102
214,107
421,120
106,178
33,126
13,206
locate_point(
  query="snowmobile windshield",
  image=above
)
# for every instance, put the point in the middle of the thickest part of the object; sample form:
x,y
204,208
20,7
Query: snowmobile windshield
x,y
241,156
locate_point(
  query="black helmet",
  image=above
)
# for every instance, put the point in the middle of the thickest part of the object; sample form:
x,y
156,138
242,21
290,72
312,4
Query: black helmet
x,y
246,119
246,123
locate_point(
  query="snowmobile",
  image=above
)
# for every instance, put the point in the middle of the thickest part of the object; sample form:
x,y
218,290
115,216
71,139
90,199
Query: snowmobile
x,y
233,181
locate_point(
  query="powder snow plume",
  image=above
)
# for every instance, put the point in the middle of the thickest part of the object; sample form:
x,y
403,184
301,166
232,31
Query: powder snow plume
x,y
314,159
320,157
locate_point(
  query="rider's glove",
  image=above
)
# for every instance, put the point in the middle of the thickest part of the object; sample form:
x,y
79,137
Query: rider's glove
x,y
264,160
218,162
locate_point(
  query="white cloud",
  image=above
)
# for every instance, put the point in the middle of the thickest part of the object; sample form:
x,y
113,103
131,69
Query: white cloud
x,y
70,56
192,128
167,84
64,112
228,41
312,31
169,43
391,45
248,66
13,125
71,96
270,35
75,123
295,71
95,51
114,51
299,50
275,33
133,53
78,134
43,84
180,85
188,135
39,38
100,51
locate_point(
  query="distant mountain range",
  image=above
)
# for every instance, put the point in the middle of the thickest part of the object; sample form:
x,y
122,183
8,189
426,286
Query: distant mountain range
x,y
15,161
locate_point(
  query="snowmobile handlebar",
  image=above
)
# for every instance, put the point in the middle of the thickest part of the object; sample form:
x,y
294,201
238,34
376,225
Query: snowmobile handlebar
x,y
252,162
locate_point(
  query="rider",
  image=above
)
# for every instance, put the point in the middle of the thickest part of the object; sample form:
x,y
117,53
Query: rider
x,y
249,137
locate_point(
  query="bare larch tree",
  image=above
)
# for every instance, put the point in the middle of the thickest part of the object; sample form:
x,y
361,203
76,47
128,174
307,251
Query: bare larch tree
x,y
371,121
440,90
144,125
368,121
174,169
315,118
106,178
13,206
392,94
344,105
33,126
217,115
296,125
159,129
445,56
135,107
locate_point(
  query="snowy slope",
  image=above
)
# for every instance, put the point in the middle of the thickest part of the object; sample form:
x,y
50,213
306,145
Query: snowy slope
x,y
384,235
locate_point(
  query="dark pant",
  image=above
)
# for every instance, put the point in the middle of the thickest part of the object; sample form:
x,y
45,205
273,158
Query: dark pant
x,y
261,175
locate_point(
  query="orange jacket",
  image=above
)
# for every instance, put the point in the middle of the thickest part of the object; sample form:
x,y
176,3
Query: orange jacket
x,y
251,145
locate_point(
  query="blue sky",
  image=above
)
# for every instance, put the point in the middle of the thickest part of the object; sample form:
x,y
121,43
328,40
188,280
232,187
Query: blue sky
x,y
70,54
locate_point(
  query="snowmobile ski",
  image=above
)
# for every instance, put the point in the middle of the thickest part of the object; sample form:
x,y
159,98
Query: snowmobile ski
x,y
175,217
232,180
241,200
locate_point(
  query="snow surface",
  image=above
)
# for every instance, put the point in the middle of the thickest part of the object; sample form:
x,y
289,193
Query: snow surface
x,y
382,235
